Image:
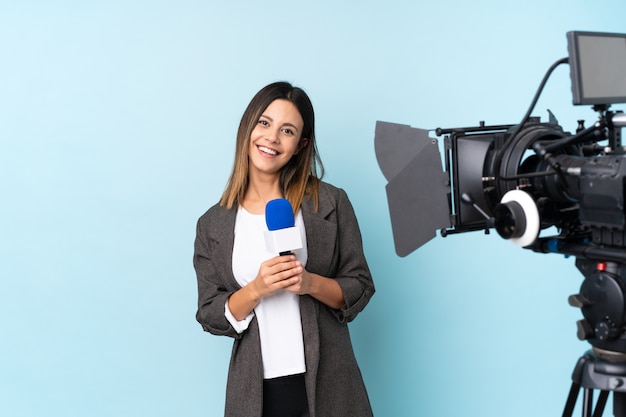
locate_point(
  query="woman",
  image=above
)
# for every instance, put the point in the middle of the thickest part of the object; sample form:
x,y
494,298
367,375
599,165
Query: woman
x,y
292,354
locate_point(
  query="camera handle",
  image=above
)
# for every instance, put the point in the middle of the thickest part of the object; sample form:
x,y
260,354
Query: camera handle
x,y
615,122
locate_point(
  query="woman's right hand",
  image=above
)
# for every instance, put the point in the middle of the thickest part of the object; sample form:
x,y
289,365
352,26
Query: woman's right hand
x,y
275,274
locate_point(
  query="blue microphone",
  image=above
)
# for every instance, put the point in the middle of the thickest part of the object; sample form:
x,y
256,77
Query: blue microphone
x,y
279,214
282,236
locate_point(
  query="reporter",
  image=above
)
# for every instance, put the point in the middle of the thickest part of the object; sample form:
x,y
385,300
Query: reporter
x,y
288,315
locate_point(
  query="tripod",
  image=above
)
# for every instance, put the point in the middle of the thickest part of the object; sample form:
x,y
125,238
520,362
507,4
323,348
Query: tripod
x,y
604,371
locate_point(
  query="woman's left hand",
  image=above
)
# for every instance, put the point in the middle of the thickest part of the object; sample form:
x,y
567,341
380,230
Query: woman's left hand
x,y
325,290
303,285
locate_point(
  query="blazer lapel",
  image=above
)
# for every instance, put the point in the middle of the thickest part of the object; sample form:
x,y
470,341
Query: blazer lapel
x,y
321,234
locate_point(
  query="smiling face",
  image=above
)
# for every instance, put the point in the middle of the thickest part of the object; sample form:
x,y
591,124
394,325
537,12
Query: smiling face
x,y
275,138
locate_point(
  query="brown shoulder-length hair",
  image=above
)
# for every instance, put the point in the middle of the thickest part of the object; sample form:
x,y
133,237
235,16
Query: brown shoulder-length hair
x,y
300,176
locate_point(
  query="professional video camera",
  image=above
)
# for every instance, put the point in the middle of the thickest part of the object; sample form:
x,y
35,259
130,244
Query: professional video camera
x,y
527,178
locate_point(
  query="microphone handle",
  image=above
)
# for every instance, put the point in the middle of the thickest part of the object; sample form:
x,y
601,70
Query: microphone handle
x,y
286,253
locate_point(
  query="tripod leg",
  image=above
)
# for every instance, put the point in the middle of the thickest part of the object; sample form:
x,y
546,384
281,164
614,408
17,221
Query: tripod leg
x,y
571,400
619,404
587,402
604,395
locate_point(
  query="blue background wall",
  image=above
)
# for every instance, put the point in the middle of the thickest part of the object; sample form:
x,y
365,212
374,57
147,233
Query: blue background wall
x,y
117,126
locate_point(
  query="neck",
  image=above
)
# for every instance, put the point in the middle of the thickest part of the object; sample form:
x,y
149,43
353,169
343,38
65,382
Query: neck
x,y
259,193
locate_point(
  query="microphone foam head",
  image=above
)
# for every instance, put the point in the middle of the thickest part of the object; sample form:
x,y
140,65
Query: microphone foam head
x,y
279,214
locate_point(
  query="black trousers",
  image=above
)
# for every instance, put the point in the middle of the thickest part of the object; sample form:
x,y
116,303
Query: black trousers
x,y
285,397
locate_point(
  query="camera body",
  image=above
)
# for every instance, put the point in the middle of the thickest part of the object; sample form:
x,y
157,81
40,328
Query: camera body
x,y
577,188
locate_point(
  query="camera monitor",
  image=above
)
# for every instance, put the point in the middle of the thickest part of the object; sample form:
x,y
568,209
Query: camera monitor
x,y
598,67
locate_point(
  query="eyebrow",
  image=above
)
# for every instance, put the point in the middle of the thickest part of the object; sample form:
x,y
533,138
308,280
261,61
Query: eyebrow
x,y
286,124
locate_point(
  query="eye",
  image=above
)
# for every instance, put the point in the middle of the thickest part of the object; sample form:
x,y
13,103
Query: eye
x,y
288,131
263,122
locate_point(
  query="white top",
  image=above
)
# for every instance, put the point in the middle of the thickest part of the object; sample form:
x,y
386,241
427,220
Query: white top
x,y
278,316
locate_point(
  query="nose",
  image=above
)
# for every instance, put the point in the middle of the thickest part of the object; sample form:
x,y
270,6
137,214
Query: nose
x,y
272,136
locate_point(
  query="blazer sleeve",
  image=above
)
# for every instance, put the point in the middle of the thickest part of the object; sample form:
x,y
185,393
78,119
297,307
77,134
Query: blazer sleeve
x,y
213,292
353,273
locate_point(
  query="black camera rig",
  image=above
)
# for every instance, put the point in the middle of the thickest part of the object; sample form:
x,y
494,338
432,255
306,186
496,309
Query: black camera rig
x,y
526,179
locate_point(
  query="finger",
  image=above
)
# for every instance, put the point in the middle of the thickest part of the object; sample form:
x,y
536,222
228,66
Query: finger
x,y
296,286
284,276
288,267
293,284
279,259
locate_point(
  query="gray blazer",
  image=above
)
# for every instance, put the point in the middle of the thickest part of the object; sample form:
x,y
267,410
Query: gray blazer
x,y
334,384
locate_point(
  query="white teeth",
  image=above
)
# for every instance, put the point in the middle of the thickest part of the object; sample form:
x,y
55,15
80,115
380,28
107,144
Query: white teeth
x,y
268,150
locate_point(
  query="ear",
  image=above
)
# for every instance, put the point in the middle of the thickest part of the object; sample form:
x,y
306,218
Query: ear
x,y
302,144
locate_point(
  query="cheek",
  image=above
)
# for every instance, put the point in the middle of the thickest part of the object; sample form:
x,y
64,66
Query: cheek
x,y
251,141
293,150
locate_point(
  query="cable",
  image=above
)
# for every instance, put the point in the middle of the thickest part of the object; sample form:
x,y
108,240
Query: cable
x,y
535,100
